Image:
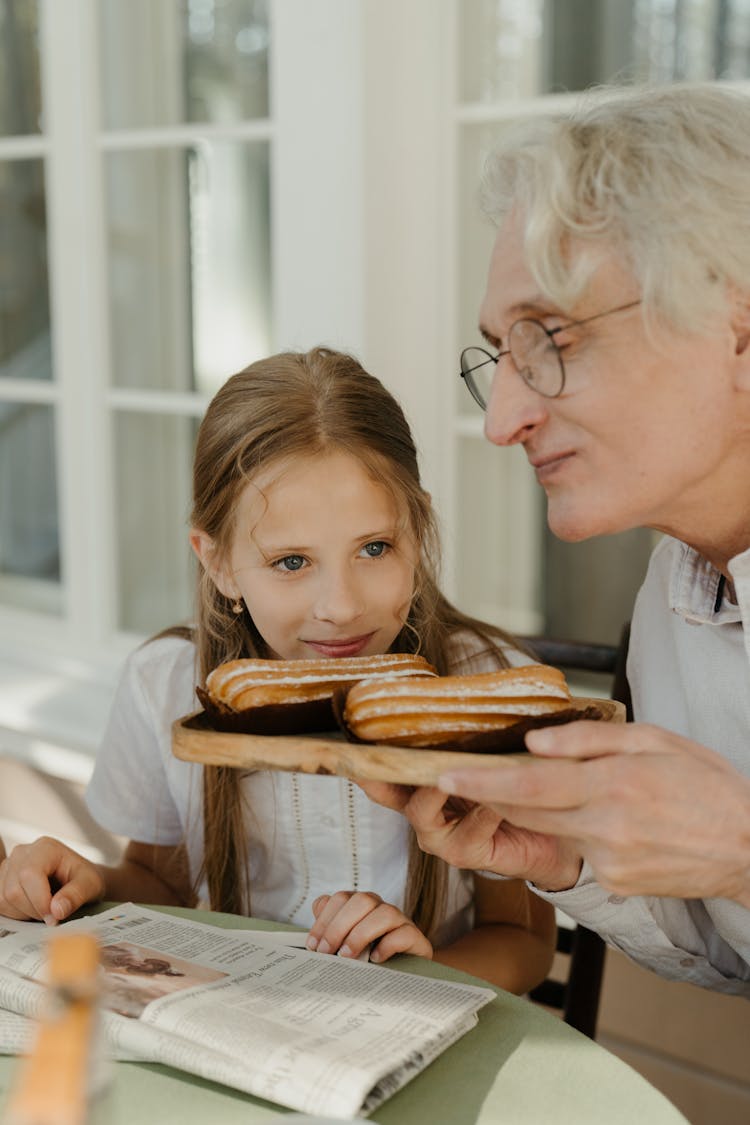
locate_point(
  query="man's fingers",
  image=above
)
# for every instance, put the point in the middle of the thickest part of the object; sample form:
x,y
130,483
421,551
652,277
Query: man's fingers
x,y
560,784
384,793
561,823
587,739
472,838
430,808
463,840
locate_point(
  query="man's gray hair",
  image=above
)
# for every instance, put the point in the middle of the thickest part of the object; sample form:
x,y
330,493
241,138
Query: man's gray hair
x,y
659,174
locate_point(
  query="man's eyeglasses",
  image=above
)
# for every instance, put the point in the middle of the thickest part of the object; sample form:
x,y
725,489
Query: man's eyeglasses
x,y
534,353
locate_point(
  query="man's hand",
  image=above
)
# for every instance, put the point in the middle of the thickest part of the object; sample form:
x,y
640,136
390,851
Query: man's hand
x,y
469,834
652,812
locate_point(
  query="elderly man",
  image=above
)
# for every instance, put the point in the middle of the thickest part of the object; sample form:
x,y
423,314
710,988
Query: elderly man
x,y
617,329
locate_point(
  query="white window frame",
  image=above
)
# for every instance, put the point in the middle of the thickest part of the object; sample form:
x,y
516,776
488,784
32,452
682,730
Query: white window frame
x,y
341,215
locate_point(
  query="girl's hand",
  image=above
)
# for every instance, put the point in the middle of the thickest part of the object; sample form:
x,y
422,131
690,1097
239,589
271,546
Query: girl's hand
x,y
349,921
47,881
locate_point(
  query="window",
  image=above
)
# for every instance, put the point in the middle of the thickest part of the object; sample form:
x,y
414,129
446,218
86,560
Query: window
x,y
29,537
187,185
161,287
142,263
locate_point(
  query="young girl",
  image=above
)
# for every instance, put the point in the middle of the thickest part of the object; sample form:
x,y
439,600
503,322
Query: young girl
x,y
314,538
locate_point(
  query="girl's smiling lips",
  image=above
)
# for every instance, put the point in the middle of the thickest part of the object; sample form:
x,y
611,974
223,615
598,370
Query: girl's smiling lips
x,y
349,646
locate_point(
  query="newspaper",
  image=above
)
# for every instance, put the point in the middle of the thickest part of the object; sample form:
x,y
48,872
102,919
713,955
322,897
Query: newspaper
x,y
320,1034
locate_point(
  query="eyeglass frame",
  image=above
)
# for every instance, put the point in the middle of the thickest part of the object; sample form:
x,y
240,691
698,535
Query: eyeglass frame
x,y
550,332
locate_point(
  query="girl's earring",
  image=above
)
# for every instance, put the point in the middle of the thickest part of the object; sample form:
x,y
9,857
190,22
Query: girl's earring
x,y
237,607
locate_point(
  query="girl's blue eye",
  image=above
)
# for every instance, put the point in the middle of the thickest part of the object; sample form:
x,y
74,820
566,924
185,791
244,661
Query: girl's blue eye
x,y
289,563
376,549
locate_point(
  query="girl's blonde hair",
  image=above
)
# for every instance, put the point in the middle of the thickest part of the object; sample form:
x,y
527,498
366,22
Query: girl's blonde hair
x,y
660,175
307,404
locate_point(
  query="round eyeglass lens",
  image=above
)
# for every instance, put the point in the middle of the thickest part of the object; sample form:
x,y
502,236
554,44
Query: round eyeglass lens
x,y
478,369
536,357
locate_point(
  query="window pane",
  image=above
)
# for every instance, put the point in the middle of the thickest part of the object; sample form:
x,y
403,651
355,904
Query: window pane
x,y
20,93
153,484
190,274
520,48
24,298
476,235
590,587
180,61
501,49
500,528
29,535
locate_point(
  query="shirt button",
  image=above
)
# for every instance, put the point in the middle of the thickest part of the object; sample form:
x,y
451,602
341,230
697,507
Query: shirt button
x,y
616,900
687,962
327,821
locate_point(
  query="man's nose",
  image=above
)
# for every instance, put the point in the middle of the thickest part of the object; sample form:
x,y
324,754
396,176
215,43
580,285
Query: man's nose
x,y
514,410
339,598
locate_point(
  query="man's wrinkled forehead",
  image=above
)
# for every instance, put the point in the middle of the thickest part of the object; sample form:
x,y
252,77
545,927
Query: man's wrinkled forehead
x,y
585,274
511,289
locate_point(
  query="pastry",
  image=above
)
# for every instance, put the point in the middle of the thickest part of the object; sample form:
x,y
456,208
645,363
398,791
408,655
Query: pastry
x,y
294,696
447,709
241,684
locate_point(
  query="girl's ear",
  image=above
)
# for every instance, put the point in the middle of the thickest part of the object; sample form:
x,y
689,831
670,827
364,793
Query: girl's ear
x,y
205,549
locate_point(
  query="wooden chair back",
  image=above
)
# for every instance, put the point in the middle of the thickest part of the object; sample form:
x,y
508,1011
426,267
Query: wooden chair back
x,y
584,952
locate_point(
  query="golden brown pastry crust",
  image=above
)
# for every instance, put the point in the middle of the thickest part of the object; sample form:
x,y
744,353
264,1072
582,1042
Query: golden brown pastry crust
x,y
240,685
429,712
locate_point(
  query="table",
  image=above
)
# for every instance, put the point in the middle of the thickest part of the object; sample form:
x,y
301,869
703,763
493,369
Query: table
x,y
519,1065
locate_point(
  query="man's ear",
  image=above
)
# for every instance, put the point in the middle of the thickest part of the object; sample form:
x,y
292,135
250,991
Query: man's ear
x,y
205,548
741,330
741,324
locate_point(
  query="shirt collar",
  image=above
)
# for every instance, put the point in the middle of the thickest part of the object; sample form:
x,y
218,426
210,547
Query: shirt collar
x,y
694,586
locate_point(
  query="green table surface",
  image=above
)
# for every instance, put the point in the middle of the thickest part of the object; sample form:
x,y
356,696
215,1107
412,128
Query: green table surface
x,y
519,1064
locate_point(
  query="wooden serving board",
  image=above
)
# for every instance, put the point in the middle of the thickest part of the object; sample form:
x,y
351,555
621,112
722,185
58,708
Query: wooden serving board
x,y
193,740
